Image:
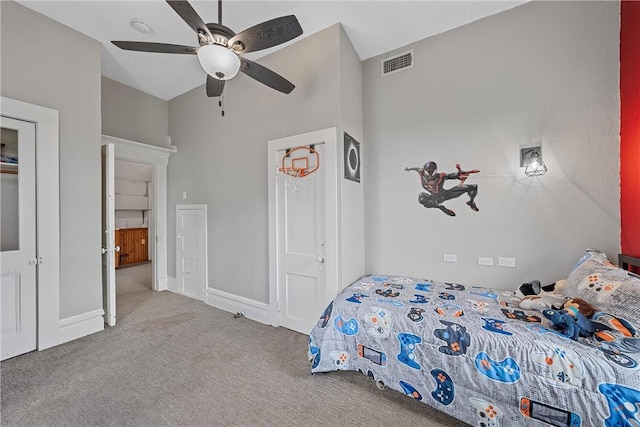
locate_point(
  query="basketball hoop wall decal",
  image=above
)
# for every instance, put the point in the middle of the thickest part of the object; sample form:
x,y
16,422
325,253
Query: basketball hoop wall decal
x,y
351,158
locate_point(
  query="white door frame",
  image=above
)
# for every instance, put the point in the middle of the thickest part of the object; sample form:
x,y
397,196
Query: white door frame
x,y
158,158
47,215
329,161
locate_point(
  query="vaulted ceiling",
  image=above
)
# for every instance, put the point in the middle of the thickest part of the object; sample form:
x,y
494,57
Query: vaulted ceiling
x,y
373,26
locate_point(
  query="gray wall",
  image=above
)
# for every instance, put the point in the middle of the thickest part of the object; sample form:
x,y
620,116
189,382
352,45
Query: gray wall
x,y
221,161
544,71
351,195
134,115
62,71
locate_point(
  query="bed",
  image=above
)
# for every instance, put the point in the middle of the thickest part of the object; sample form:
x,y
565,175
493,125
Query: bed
x,y
471,353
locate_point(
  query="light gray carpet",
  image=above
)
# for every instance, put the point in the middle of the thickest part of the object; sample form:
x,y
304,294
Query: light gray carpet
x,y
172,360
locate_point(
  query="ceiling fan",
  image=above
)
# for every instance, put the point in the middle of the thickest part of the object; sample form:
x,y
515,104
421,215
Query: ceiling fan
x,y
220,48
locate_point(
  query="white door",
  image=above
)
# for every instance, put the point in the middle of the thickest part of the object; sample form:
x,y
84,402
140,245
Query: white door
x,y
191,250
18,258
305,214
108,235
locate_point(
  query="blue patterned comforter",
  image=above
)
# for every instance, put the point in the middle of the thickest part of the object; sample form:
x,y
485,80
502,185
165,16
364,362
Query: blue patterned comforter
x,y
459,350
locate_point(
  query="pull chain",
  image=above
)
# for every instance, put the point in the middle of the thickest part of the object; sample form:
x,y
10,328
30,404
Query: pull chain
x,y
221,104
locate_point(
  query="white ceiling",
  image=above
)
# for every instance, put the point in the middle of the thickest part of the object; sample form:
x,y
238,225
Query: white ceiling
x,y
374,27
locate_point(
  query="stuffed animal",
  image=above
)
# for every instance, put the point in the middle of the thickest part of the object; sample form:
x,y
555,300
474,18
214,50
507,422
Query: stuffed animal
x,y
578,305
554,287
572,327
542,302
533,296
529,288
534,288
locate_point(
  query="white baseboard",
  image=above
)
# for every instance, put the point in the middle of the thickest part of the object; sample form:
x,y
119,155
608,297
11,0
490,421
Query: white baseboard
x,y
78,326
252,309
171,284
163,283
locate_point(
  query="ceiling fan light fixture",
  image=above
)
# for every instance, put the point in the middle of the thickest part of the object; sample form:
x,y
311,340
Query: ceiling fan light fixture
x,y
218,61
220,47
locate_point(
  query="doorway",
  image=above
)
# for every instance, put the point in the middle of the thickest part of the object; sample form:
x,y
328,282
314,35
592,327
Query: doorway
x,y
142,169
133,214
134,230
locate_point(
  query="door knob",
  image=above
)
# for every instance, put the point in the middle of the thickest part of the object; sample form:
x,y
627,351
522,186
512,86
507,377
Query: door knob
x,y
320,259
105,250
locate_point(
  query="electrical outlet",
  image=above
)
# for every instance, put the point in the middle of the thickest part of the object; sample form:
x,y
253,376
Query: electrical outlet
x,y
506,262
450,257
485,260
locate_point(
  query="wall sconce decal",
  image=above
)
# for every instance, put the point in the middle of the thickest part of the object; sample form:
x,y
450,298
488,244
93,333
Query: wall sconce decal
x,y
531,160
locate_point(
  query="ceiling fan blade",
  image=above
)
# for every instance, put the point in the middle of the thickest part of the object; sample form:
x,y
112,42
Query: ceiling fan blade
x,y
156,47
267,34
265,76
190,16
214,86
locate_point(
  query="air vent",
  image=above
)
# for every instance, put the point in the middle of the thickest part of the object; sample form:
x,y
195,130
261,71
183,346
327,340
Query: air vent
x,y
397,63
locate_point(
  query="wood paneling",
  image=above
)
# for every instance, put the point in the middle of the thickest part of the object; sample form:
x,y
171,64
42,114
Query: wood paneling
x,y
133,246
118,243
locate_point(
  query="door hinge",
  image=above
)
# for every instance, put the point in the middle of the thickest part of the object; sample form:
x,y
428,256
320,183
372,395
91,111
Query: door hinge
x,y
35,261
279,306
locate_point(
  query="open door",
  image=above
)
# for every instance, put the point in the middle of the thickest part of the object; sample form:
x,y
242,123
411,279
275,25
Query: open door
x,y
108,236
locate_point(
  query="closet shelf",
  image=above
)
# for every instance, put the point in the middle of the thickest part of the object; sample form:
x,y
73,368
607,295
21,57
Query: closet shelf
x,y
129,202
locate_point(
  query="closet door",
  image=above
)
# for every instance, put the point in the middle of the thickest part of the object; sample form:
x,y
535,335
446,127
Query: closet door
x,y
18,258
191,250
303,229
